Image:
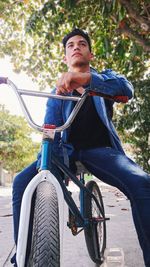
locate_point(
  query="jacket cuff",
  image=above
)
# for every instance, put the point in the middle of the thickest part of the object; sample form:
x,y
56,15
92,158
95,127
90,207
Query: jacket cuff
x,y
100,84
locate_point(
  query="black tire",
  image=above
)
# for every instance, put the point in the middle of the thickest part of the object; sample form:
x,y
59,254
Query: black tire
x,y
95,233
45,244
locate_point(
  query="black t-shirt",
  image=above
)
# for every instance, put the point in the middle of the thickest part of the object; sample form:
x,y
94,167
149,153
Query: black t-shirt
x,y
87,129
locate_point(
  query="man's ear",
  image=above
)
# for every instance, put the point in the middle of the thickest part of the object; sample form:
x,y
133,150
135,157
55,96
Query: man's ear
x,y
92,56
65,60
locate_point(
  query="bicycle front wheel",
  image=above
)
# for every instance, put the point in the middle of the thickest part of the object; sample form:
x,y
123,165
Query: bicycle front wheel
x,y
45,244
95,232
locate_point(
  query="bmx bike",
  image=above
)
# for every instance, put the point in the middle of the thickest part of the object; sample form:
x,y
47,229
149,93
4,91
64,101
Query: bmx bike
x,y
50,191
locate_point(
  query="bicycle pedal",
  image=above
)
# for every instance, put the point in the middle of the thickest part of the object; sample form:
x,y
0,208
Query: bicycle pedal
x,y
74,230
72,223
99,219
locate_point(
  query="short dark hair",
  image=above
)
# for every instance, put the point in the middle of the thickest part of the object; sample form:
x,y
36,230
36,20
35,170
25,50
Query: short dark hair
x,y
74,32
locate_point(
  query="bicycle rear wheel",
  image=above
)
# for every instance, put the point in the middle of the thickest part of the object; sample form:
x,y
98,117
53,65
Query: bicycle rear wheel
x,y
95,232
45,244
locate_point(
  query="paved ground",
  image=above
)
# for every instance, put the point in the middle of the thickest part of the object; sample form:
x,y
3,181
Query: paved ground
x,y
6,237
120,232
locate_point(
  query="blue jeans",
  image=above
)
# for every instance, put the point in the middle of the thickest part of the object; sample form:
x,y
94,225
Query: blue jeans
x,y
114,168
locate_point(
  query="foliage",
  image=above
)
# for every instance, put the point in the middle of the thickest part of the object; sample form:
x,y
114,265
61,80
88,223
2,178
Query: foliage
x,y
17,149
31,33
134,123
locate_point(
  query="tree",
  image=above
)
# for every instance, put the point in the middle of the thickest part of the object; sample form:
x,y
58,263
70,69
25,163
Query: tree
x,y
17,149
134,124
31,32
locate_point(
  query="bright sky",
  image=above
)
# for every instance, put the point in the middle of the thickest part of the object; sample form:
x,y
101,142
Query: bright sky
x,y
8,98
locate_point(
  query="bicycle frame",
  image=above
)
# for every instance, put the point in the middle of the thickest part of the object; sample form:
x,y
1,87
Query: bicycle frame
x,y
45,174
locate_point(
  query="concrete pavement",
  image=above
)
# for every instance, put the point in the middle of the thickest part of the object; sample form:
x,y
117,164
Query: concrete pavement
x,y
120,231
6,226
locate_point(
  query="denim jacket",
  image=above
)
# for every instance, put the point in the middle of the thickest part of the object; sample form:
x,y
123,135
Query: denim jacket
x,y
107,82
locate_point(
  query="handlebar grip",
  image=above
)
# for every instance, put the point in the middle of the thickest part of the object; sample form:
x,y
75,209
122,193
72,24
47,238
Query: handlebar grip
x,y
3,80
118,98
122,99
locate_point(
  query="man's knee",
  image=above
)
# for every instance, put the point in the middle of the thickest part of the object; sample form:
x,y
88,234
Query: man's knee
x,y
17,180
24,177
141,188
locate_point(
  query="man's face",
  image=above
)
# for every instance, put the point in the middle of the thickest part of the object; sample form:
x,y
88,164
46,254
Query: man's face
x,y
77,52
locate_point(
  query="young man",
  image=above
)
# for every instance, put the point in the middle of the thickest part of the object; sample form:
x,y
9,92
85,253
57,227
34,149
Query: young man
x,y
92,138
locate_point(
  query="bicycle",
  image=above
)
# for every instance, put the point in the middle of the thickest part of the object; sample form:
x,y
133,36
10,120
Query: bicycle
x,y
50,193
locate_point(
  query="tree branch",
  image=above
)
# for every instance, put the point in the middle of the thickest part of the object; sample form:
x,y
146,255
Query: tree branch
x,y
144,23
134,35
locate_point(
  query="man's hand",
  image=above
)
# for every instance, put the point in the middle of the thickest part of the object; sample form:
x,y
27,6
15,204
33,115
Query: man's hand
x,y
70,81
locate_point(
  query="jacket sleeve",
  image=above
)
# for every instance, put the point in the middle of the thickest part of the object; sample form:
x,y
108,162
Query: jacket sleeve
x,y
53,115
110,83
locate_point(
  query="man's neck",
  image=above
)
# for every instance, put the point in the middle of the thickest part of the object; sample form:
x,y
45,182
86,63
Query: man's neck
x,y
80,69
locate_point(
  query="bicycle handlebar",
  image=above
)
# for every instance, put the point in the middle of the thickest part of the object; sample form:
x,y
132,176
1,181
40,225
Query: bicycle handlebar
x,y
117,98
80,100
20,92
